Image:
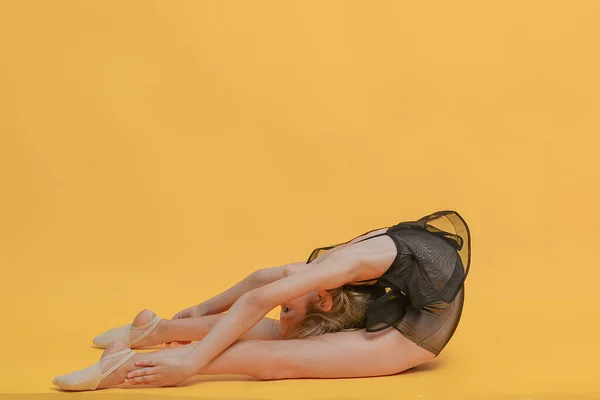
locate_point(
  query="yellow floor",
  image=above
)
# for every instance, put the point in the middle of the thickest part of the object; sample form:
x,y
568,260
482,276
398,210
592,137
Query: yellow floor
x,y
153,153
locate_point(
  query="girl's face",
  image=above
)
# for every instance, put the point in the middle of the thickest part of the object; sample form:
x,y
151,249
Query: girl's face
x,y
294,311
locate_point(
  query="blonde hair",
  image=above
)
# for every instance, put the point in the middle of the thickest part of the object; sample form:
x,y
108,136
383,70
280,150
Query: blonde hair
x,y
347,313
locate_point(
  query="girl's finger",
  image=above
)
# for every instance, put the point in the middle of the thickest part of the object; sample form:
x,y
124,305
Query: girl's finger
x,y
146,363
142,380
141,372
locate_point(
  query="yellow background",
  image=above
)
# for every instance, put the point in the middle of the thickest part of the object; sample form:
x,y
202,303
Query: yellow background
x,y
154,153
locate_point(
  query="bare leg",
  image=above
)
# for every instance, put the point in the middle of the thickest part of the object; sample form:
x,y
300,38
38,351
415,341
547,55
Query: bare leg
x,y
194,329
234,360
333,355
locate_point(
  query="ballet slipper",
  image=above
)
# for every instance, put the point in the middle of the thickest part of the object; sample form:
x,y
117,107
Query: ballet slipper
x,y
89,378
123,334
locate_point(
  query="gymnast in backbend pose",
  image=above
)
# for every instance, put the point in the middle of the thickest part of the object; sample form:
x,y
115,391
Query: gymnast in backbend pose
x,y
335,309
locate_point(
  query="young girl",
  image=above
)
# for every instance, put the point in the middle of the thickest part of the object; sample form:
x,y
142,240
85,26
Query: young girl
x,y
335,309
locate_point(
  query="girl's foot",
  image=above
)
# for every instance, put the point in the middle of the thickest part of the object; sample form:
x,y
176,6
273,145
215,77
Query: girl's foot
x,y
143,332
109,371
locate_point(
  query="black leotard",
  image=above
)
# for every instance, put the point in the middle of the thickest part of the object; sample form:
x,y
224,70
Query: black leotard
x,y
422,292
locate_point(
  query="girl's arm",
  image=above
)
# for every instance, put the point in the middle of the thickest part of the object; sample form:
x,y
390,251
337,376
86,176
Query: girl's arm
x,y
361,261
367,259
223,301
261,277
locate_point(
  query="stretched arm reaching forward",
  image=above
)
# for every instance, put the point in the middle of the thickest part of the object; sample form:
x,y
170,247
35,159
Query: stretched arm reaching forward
x,y
223,301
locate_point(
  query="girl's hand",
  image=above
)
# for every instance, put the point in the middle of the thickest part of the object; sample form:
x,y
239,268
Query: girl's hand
x,y
163,372
190,312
